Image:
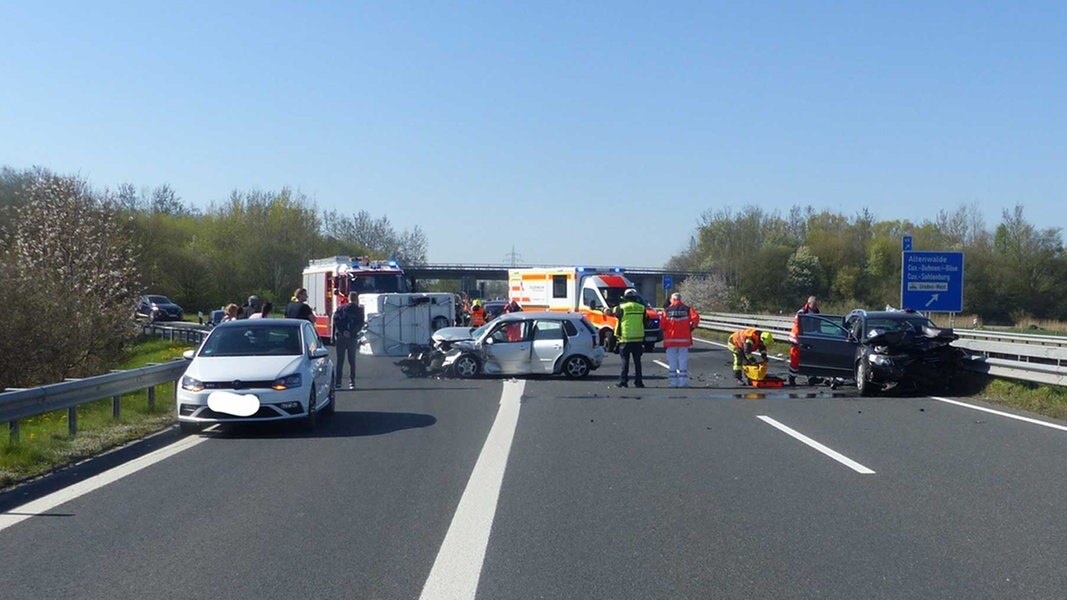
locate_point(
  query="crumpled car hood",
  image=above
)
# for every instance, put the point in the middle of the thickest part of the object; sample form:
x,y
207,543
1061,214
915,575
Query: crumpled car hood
x,y
903,341
452,334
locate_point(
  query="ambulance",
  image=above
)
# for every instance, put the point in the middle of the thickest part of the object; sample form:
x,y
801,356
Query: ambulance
x,y
586,290
396,317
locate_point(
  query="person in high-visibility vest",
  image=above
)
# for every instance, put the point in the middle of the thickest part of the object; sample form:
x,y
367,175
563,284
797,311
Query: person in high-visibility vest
x,y
745,344
630,332
477,314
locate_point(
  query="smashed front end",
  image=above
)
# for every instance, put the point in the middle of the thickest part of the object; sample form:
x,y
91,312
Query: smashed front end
x,y
920,358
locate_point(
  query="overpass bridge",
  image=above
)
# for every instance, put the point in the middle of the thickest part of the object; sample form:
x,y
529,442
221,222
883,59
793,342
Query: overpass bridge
x,y
648,280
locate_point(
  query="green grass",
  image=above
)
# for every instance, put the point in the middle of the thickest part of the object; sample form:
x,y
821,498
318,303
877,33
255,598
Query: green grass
x,y
44,443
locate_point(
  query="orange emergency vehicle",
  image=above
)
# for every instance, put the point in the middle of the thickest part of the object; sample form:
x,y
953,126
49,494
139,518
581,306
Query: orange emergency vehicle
x,y
587,290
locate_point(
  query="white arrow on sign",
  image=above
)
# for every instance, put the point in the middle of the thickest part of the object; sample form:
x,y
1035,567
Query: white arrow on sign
x,y
933,299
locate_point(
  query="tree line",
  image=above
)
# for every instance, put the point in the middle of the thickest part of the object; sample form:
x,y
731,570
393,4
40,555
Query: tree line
x,y
75,259
769,261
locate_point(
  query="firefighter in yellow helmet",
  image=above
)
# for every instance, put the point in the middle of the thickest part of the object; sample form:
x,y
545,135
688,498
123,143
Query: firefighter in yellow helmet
x,y
477,314
746,344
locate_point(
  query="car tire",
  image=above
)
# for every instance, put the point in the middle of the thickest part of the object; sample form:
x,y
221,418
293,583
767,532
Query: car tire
x,y
466,367
189,428
863,384
576,367
607,339
792,381
312,416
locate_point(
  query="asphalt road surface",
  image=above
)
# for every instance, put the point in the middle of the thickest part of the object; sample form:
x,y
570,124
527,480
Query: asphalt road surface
x,y
549,488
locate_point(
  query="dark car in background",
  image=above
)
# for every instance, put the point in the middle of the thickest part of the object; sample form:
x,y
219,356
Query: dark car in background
x,y
158,308
494,308
877,350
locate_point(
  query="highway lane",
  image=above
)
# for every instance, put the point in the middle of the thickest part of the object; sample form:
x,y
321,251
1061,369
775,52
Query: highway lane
x,y
608,493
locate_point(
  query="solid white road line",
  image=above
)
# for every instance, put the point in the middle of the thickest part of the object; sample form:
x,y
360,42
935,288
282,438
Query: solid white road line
x,y
1002,414
848,462
47,503
662,364
458,566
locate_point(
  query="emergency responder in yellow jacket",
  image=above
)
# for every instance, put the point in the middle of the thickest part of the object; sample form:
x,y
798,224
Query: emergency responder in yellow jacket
x,y
631,335
745,344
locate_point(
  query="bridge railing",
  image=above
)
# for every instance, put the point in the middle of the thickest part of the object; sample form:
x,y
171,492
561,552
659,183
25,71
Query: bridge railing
x,y
1022,356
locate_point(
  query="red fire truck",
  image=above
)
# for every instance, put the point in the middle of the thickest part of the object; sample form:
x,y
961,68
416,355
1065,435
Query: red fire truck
x,y
329,280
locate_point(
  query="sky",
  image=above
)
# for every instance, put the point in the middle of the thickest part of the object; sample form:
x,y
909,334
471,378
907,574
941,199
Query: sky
x,y
565,132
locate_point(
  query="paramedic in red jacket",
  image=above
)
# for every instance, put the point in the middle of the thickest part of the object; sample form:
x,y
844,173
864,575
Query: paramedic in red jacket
x,y
811,306
678,324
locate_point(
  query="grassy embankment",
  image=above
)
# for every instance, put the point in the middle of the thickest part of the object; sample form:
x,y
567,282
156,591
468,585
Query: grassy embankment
x,y
45,444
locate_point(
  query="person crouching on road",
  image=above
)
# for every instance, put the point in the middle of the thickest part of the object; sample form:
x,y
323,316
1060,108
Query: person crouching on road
x,y
631,336
745,344
678,324
347,323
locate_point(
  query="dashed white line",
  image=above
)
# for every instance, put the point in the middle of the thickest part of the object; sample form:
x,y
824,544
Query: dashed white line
x,y
455,572
841,458
1001,414
47,503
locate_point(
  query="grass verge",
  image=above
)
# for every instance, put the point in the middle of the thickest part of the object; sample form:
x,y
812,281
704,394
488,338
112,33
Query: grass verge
x,y
45,444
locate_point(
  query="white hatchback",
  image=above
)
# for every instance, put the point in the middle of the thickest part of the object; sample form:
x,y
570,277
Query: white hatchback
x,y
256,370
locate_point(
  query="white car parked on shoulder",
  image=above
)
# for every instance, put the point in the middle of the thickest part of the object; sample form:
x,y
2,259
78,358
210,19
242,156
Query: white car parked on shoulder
x,y
256,370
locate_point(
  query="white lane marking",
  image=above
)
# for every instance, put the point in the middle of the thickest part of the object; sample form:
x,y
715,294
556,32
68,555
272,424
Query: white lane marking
x,y
1002,414
721,345
662,364
43,505
841,458
458,566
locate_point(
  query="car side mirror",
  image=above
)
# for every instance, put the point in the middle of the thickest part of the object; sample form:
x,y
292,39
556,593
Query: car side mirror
x,y
320,352
490,340
189,354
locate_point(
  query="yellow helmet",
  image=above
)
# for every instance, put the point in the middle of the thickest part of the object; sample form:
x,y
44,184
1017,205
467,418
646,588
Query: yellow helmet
x,y
766,337
477,302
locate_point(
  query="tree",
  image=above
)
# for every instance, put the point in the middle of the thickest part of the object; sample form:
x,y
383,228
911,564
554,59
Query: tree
x,y
706,293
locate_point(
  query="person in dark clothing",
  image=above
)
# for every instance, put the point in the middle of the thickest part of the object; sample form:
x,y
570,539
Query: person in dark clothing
x,y
512,306
250,308
298,307
347,322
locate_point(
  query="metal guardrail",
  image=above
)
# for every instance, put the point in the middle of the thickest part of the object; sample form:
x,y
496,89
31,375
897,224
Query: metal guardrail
x,y
30,402
191,334
1022,356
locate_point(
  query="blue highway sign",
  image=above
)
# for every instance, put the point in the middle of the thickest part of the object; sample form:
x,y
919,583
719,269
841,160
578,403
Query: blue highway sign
x,y
667,282
905,243
932,281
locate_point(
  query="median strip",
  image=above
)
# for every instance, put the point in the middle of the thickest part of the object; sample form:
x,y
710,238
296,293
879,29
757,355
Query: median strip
x,y
841,458
458,566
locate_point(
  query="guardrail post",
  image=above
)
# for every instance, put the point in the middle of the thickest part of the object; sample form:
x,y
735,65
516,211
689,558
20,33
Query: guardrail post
x,y
13,431
152,398
116,406
72,421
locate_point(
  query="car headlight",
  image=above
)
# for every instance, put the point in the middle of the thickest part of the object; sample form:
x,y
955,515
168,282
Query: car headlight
x,y
192,385
880,360
285,383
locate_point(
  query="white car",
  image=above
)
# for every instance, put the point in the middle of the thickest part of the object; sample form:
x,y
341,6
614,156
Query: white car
x,y
523,343
256,370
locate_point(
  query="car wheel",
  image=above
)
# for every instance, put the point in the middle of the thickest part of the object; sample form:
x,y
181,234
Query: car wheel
x,y
312,416
189,428
438,323
863,383
576,367
466,366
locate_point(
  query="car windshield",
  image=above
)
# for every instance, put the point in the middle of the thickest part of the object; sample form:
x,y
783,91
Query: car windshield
x,y
913,323
159,300
477,333
612,295
384,283
253,341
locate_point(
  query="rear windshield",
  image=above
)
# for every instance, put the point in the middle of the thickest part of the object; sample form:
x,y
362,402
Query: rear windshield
x,y
253,341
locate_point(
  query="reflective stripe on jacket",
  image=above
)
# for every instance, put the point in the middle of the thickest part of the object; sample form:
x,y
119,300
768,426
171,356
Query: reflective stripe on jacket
x,y
678,324
745,341
477,316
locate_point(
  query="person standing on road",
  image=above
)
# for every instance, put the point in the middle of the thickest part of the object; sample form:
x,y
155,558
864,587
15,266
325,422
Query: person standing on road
x,y
347,323
631,336
745,344
250,308
477,314
298,307
810,307
679,321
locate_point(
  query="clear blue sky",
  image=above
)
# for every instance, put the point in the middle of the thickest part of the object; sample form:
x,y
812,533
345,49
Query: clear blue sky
x,y
575,132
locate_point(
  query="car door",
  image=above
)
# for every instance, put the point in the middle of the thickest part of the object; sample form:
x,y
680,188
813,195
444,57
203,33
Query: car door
x,y
548,345
825,347
507,348
320,367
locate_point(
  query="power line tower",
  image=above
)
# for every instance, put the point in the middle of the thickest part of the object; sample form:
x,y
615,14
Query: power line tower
x,y
513,257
